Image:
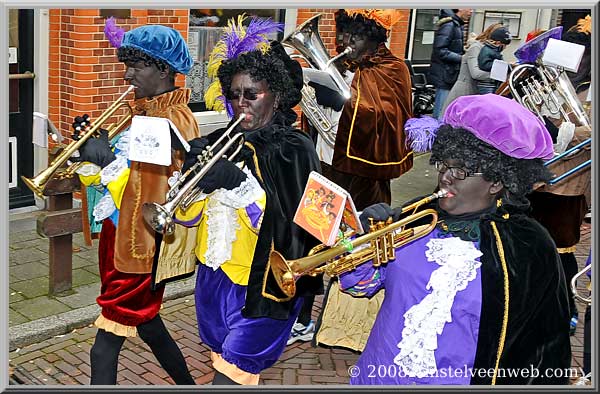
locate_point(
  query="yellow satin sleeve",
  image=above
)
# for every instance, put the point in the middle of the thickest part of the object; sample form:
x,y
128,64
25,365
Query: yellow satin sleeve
x,y
117,187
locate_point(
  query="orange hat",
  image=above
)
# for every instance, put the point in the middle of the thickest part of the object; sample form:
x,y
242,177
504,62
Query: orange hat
x,y
386,18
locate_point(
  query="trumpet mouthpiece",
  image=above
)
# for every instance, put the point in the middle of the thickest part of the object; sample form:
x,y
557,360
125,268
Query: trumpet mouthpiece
x,y
242,116
444,193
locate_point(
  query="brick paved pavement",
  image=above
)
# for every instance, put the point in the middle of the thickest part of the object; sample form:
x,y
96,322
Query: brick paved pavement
x,y
64,359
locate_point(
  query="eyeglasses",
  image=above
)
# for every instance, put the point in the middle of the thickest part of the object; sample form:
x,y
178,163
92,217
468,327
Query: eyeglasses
x,y
456,172
247,94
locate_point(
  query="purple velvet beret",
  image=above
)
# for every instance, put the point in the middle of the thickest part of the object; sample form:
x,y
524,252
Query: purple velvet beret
x,y
503,123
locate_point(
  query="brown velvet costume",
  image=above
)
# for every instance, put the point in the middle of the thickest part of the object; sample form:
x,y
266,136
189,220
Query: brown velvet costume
x,y
127,250
135,240
370,141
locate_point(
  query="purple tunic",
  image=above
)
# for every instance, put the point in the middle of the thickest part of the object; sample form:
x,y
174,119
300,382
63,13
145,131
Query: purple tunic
x,y
406,285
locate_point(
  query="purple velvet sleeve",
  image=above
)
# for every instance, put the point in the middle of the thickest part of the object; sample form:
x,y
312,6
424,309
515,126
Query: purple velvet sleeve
x,y
364,281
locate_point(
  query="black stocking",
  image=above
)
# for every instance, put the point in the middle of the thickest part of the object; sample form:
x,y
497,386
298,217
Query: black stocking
x,y
168,354
104,357
222,379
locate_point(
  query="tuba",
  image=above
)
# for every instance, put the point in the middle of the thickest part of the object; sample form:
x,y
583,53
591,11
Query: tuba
x,y
160,217
544,90
378,246
38,183
307,41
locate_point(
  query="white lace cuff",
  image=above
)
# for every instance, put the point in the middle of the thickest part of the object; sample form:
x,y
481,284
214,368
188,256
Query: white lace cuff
x,y
88,169
104,208
113,170
245,194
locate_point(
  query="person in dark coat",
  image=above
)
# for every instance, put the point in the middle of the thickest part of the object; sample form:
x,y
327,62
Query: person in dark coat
x,y
481,299
448,48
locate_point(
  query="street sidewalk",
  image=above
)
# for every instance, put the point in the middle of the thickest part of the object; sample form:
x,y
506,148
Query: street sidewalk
x,y
64,359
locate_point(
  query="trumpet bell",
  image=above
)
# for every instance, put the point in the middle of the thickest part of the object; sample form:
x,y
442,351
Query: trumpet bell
x,y
158,217
283,273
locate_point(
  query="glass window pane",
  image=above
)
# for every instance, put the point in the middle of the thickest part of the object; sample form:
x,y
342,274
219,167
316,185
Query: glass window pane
x,y
206,27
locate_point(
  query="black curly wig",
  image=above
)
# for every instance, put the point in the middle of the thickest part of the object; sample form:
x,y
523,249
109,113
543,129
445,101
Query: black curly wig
x,y
517,175
134,55
269,67
360,25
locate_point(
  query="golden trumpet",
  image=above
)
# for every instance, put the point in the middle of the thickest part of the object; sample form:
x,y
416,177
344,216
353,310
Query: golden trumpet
x,y
38,183
382,242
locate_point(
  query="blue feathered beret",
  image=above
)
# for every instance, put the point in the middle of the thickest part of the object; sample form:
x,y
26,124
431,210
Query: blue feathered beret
x,y
162,43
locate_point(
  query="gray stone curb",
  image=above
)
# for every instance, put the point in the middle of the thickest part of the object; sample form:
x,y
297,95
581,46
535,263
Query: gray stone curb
x,y
48,327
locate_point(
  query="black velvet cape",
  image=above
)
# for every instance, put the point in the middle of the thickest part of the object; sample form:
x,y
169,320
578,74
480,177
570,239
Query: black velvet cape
x,y
281,158
537,334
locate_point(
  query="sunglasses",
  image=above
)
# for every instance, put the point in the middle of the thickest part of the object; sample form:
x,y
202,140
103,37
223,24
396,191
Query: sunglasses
x,y
247,94
456,172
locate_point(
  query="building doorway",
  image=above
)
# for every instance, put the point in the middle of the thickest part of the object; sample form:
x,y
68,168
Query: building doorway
x,y
21,33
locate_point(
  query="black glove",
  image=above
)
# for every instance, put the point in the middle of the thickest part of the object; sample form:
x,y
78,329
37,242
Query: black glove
x,y
80,124
328,97
96,150
378,212
197,145
224,174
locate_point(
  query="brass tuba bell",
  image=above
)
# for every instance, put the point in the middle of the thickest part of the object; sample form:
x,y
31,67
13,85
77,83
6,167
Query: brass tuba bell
x,y
307,41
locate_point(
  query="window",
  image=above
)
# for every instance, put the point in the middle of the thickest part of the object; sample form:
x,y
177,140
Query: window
x,y
206,26
512,20
117,13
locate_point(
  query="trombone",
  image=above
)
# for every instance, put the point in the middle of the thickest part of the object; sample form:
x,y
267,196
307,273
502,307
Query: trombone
x,y
160,217
573,170
38,183
379,246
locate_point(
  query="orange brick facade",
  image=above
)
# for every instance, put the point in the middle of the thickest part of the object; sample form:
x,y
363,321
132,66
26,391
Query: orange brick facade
x,y
86,77
84,73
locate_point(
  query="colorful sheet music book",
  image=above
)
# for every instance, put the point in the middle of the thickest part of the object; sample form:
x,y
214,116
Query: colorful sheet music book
x,y
324,208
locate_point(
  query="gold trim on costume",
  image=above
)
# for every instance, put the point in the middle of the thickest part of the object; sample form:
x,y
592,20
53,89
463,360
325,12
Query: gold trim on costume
x,y
116,328
233,372
409,154
570,249
264,285
506,300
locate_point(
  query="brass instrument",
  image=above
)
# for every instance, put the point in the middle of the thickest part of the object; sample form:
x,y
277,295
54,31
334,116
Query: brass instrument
x,y
160,217
307,41
38,183
546,90
380,247
566,153
574,286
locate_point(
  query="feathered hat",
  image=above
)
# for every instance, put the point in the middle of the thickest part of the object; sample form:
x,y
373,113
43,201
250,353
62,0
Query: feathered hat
x,y
235,40
385,18
157,41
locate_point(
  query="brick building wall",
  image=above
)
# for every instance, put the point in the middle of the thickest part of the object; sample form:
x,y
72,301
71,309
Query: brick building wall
x,y
84,73
86,77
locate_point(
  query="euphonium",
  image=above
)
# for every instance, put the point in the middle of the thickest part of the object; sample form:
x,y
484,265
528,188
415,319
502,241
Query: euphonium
x,y
307,41
38,183
378,246
160,217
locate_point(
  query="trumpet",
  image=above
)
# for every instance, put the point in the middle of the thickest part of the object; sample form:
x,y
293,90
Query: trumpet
x,y
379,246
574,286
160,217
38,183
